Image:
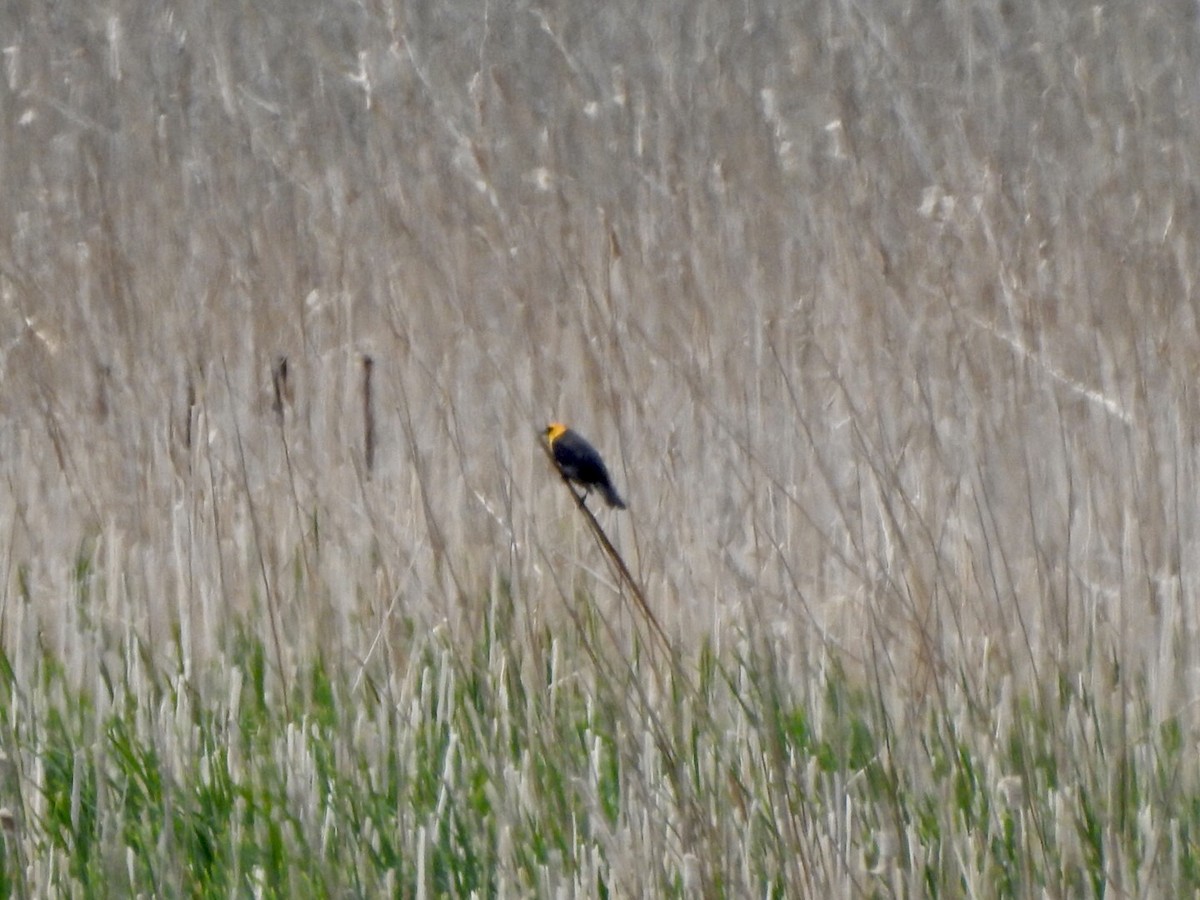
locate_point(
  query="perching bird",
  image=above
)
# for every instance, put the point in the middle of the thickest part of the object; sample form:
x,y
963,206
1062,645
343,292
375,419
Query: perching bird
x,y
578,461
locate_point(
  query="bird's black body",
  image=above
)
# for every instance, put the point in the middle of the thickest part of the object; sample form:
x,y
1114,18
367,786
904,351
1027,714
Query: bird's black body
x,y
579,462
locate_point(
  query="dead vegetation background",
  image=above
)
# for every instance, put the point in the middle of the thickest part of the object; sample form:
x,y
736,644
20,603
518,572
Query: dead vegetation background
x,y
884,317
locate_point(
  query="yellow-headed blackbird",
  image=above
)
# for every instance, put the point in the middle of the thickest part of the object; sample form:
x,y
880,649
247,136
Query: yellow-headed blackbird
x,y
579,462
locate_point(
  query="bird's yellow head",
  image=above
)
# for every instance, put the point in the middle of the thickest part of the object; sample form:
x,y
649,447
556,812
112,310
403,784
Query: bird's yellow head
x,y
554,431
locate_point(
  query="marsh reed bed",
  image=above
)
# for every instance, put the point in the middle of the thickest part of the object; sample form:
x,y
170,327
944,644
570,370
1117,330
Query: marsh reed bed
x,y
883,317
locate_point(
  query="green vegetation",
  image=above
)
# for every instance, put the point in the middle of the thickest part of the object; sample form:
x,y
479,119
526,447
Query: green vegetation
x,y
488,769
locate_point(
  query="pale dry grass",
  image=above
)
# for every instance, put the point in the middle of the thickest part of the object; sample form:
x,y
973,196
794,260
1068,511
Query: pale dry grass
x,y
883,317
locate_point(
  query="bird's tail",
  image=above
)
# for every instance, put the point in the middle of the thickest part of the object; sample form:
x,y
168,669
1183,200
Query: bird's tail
x,y
611,497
